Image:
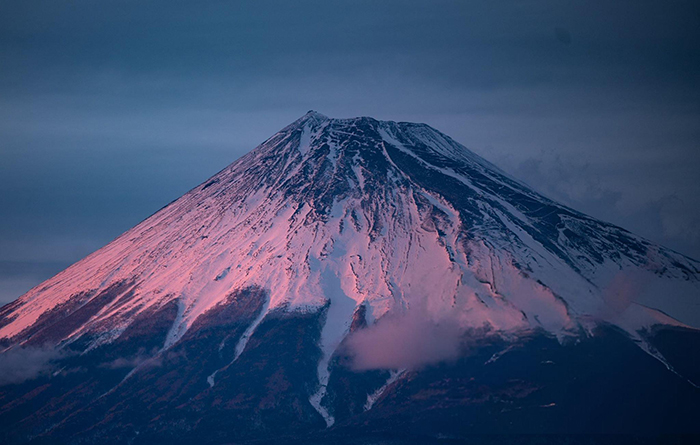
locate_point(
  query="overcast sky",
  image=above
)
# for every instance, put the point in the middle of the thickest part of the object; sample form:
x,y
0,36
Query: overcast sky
x,y
111,109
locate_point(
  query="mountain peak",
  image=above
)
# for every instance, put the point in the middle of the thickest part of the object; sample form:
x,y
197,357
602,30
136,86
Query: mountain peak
x,y
403,195
315,113
312,116
315,116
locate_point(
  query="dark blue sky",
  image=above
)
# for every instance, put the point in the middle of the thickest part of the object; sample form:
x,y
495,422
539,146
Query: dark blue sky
x,y
111,109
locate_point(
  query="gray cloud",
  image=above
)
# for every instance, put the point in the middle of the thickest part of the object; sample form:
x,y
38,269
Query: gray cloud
x,y
20,364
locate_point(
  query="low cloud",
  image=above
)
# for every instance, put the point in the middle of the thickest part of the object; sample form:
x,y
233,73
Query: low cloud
x,y
142,358
406,341
21,364
621,292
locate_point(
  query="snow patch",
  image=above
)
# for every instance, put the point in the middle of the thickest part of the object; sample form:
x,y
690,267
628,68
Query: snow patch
x,y
337,324
372,398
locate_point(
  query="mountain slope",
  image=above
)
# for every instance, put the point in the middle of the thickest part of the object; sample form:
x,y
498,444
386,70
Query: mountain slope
x,y
324,230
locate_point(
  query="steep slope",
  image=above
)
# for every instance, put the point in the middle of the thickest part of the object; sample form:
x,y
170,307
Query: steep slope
x,y
325,228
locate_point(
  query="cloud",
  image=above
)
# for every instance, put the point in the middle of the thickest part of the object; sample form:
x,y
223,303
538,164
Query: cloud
x,y
141,359
408,340
20,364
621,292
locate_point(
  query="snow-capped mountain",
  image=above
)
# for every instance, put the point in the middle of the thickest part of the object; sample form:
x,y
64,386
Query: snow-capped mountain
x,y
329,229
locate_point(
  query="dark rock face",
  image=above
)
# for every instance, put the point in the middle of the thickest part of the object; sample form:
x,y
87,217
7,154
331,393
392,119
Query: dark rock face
x,y
58,323
30,408
347,388
130,390
602,384
599,385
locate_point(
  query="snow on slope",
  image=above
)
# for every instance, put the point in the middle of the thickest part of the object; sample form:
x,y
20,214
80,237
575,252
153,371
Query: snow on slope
x,y
390,215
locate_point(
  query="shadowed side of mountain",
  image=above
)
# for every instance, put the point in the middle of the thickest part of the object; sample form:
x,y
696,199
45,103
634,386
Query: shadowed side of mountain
x,y
131,391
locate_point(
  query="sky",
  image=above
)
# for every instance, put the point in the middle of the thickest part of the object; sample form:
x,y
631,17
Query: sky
x,y
109,110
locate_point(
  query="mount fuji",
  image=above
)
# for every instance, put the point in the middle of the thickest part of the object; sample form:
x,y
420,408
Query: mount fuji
x,y
357,281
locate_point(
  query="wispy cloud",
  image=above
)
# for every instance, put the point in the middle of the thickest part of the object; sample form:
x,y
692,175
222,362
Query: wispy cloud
x,y
20,364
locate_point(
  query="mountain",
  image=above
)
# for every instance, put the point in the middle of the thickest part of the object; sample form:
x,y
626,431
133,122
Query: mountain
x,y
355,279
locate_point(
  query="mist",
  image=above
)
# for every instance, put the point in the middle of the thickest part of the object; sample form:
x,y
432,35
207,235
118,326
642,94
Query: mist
x,y
21,364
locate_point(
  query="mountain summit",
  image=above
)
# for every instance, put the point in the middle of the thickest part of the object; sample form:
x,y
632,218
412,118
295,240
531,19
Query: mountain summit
x,y
328,279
